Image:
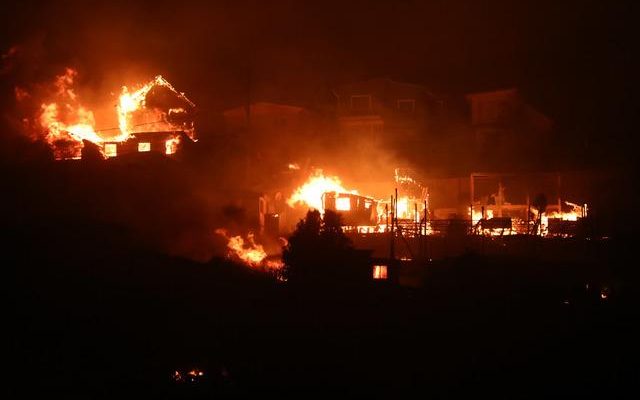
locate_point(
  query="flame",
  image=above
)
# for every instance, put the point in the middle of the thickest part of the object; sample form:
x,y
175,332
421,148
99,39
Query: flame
x,y
477,215
171,145
343,204
130,102
248,251
403,207
72,134
312,191
66,122
577,212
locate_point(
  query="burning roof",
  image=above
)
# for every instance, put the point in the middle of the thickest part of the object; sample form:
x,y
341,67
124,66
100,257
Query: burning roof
x,y
64,122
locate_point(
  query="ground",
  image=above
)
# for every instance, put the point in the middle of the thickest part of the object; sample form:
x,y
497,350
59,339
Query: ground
x,y
109,319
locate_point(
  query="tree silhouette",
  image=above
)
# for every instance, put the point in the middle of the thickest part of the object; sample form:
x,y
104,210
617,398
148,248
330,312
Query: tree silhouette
x,y
540,205
319,251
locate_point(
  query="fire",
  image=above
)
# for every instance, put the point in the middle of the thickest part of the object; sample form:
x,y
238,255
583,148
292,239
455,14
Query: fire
x,y
171,145
522,226
477,215
129,102
312,191
403,207
248,251
66,122
412,210
343,204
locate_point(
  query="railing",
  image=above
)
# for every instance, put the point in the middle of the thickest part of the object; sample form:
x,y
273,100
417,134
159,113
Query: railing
x,y
487,227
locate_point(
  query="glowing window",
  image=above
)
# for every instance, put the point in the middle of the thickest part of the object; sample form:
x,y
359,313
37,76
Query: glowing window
x,y
144,146
171,145
343,204
110,149
379,272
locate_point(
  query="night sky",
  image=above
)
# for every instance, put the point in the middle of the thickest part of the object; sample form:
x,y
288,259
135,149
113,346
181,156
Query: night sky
x,y
573,61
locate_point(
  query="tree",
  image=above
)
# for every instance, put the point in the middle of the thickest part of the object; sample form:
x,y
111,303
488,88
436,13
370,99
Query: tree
x,y
540,205
319,251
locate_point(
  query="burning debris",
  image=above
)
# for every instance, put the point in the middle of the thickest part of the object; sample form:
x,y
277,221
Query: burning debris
x,y
153,117
191,376
249,252
409,210
361,213
496,214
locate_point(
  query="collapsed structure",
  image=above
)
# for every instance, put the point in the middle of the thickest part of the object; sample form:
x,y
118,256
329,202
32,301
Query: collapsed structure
x,y
486,203
435,218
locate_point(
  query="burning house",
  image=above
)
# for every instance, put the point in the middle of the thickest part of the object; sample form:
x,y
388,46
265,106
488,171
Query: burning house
x,y
154,117
355,210
427,218
166,142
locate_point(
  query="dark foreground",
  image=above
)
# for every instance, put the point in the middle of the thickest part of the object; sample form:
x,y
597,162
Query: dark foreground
x,y
101,319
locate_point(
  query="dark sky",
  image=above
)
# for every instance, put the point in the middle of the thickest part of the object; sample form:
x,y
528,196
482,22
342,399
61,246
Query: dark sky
x,y
572,60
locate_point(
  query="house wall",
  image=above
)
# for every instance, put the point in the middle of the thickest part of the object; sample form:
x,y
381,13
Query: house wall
x,y
507,131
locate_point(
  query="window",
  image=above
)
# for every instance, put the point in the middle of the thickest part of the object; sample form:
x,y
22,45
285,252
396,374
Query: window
x,y
343,204
144,146
110,149
407,106
379,272
171,145
361,103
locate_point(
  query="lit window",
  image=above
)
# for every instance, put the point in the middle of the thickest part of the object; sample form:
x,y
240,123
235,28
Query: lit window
x,y
343,204
171,145
144,146
110,149
379,272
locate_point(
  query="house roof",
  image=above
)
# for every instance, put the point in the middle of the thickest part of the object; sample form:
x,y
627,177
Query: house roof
x,y
382,84
263,108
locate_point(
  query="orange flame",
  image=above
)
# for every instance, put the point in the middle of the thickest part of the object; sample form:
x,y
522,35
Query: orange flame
x,y
248,251
311,192
171,145
130,102
67,122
